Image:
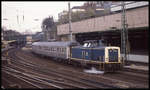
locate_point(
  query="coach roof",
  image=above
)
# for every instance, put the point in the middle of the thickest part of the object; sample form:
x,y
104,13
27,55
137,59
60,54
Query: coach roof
x,y
64,44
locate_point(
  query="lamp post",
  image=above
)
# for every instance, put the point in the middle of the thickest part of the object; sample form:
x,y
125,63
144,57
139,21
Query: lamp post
x,y
124,33
70,31
5,19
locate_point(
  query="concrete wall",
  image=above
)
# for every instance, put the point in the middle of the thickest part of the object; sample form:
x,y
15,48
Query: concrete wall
x,y
66,38
135,18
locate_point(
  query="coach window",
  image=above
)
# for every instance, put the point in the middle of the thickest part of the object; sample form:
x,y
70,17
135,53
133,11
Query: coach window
x,y
49,48
62,49
54,48
46,48
58,49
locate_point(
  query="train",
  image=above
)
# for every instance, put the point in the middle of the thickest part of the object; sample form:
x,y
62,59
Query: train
x,y
91,54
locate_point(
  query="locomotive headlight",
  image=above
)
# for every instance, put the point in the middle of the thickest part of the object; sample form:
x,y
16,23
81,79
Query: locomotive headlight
x,y
119,59
106,60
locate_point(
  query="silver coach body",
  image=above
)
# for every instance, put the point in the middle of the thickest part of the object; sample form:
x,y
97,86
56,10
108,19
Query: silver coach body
x,y
52,49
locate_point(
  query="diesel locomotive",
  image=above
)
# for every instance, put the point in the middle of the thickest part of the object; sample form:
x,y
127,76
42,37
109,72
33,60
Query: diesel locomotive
x,y
92,53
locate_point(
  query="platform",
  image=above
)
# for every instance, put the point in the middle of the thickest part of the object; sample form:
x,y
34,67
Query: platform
x,y
26,48
5,49
138,58
5,61
145,68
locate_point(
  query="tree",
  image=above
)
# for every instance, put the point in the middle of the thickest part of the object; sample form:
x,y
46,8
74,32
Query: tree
x,y
90,11
48,22
49,28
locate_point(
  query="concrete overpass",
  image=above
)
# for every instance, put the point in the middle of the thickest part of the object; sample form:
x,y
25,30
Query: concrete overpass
x,y
136,18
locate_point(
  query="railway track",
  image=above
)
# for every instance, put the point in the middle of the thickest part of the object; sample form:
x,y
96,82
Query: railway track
x,y
39,82
9,78
54,73
133,76
91,81
24,62
54,80
144,72
69,77
5,70
120,75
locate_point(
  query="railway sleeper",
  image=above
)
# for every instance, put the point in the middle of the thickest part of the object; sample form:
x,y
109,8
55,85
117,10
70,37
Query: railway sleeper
x,y
14,86
10,84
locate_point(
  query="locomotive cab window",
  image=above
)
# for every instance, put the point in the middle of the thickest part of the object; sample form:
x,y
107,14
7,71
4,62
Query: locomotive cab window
x,y
89,45
115,50
85,45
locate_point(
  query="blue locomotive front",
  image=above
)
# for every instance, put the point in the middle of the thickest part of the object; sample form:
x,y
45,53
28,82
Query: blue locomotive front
x,y
103,57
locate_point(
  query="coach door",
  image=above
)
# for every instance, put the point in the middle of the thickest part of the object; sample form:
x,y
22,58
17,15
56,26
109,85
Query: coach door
x,y
83,54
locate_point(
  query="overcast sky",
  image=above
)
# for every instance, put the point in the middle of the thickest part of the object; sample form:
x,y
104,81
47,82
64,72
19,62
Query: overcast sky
x,y
30,11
